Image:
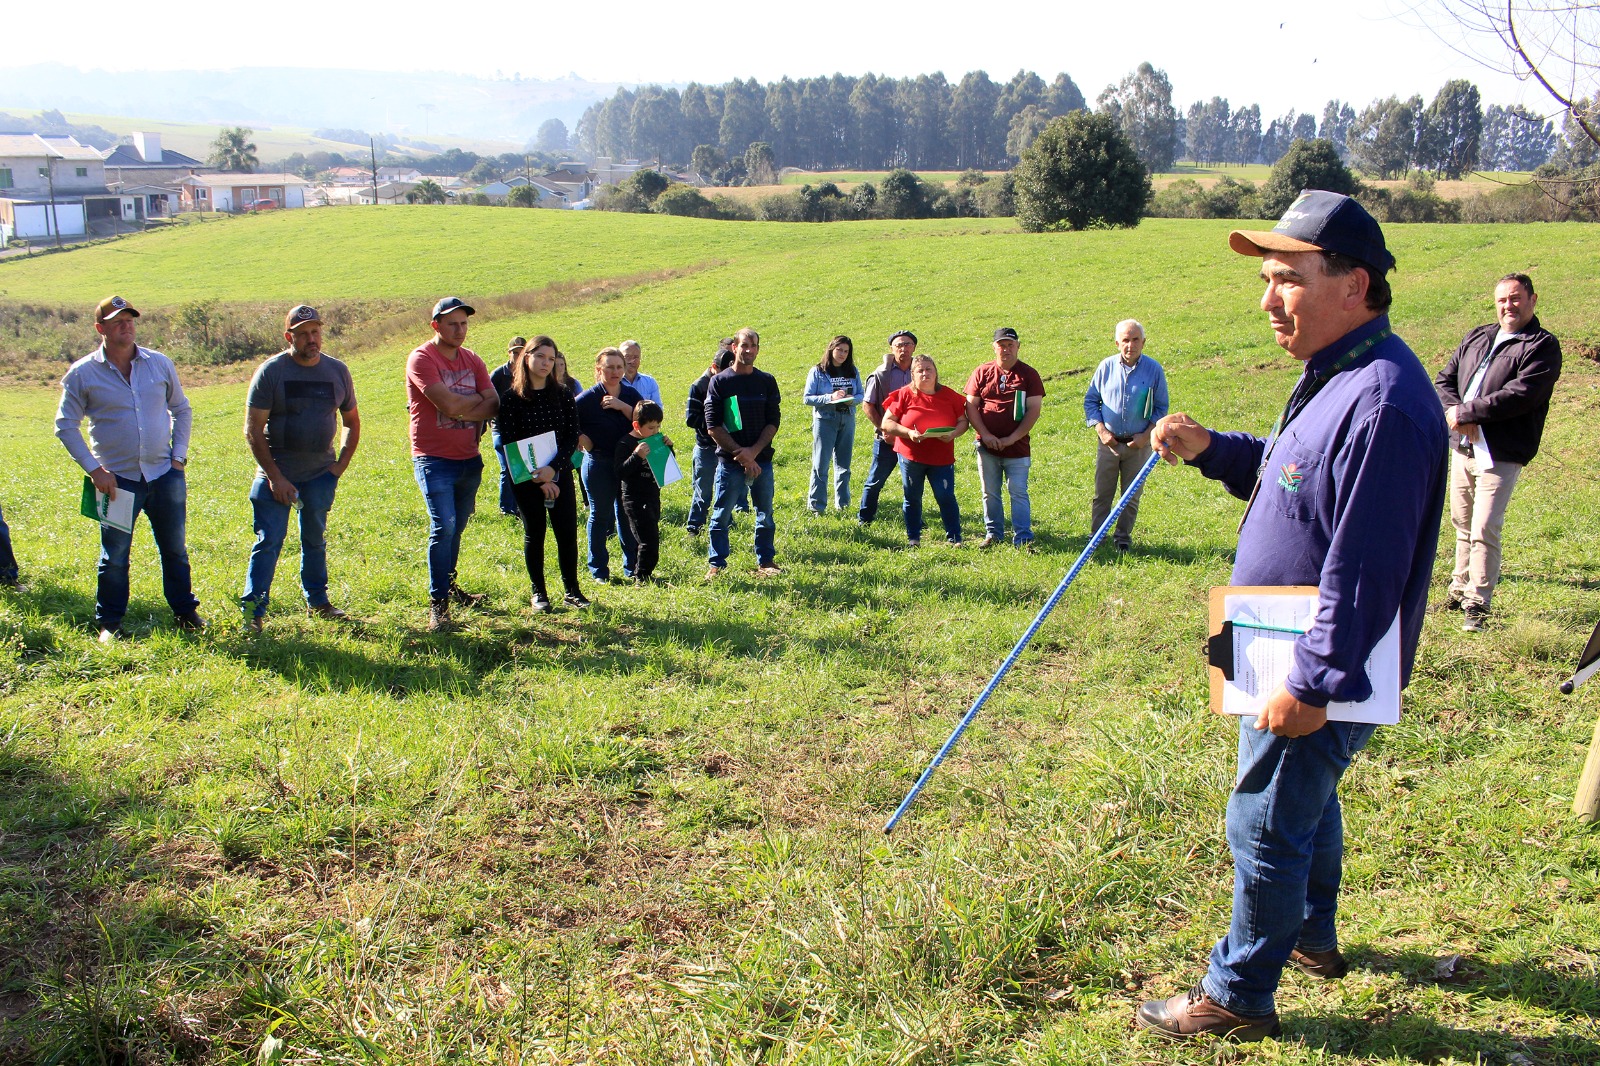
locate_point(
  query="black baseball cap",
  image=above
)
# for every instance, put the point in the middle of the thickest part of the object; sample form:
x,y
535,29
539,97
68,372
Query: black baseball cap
x,y
1320,221
1005,333
448,304
897,334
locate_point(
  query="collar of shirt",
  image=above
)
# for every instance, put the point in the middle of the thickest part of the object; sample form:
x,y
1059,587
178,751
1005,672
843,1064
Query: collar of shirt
x,y
1329,355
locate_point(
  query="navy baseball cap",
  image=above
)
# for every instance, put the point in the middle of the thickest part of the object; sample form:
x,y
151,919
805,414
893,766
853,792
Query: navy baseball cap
x,y
1005,333
448,304
897,334
1320,221
298,316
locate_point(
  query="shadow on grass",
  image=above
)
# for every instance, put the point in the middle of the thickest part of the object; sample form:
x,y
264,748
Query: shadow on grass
x,y
88,957
1572,997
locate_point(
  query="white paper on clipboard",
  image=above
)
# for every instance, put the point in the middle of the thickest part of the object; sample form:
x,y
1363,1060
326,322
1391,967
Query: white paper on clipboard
x,y
1262,658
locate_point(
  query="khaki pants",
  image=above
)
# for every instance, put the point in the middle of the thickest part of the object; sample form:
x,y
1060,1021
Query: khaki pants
x,y
1478,510
1113,463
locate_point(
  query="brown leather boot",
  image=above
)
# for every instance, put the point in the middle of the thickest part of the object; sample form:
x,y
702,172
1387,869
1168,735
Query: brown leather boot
x,y
1328,965
1188,1014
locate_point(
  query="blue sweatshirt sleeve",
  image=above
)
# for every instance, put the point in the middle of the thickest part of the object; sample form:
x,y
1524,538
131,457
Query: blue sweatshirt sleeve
x,y
1378,517
1233,459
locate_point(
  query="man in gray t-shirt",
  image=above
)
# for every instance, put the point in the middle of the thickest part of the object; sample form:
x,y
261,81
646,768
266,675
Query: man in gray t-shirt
x,y
297,400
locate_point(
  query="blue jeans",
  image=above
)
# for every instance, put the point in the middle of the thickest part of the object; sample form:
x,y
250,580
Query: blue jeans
x,y
165,502
450,492
508,501
1287,838
272,525
732,483
884,461
1014,472
8,561
703,476
600,478
943,480
833,437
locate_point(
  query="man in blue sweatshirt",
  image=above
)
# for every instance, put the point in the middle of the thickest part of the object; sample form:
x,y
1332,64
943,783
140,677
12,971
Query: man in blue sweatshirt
x,y
1345,494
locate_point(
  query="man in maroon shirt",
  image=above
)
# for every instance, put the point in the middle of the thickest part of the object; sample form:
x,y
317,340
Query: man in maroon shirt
x,y
1004,397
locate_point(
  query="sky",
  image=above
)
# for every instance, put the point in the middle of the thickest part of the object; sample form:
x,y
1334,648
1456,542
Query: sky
x,y
1281,56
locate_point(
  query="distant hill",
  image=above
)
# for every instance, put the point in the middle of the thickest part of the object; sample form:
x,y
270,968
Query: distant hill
x,y
421,104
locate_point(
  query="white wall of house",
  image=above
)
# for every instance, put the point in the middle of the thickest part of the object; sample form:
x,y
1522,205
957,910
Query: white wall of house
x,y
33,220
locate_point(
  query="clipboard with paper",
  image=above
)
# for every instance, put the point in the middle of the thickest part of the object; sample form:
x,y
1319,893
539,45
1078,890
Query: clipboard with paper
x,y
1250,652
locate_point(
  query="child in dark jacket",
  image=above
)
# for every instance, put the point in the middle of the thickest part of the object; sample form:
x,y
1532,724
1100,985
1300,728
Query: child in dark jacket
x,y
641,495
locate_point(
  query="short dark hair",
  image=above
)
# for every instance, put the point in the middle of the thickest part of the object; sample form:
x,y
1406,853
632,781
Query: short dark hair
x,y
648,411
1521,279
1379,294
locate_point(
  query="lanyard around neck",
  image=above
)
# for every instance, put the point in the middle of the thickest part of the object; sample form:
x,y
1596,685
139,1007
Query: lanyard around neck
x,y
1305,390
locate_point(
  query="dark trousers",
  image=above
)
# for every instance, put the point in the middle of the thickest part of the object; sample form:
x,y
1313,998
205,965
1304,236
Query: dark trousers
x,y
8,562
561,517
643,513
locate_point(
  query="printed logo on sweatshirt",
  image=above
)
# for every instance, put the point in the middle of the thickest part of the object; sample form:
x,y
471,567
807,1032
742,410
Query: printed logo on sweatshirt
x,y
1289,476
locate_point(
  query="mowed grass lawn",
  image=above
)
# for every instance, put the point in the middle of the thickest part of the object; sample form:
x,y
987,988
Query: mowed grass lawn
x,y
650,832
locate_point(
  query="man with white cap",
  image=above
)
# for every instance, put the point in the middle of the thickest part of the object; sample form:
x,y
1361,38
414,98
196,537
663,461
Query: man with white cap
x,y
1345,494
139,425
296,402
450,399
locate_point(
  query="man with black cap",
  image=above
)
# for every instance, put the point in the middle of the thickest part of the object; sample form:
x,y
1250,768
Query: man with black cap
x,y
1004,399
297,400
895,373
703,469
450,399
1344,494
139,424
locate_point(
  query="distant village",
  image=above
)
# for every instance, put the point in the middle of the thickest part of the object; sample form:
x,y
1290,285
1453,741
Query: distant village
x,y
54,188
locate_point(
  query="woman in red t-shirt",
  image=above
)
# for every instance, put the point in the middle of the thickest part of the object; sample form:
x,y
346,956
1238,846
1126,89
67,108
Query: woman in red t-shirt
x,y
923,420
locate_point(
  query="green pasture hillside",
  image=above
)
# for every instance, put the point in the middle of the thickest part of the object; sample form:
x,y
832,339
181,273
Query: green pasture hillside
x,y
650,832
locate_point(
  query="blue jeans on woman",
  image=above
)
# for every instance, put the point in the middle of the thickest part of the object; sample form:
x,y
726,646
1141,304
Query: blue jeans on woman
x,y
272,526
1287,836
943,480
833,437
165,501
450,492
600,479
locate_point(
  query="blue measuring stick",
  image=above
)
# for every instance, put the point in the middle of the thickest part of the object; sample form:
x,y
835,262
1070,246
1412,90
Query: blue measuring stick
x,y
1044,612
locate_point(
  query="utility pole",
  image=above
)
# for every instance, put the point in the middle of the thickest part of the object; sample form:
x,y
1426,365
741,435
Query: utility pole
x,y
50,176
373,148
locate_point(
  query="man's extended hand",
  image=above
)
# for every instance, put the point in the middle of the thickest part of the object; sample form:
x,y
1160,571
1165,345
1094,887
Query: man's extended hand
x,y
1286,716
1178,436
105,481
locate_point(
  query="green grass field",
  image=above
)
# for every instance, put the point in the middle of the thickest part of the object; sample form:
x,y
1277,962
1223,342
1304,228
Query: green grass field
x,y
649,833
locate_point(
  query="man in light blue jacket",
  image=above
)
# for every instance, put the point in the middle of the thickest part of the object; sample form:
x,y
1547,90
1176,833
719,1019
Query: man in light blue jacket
x,y
1126,396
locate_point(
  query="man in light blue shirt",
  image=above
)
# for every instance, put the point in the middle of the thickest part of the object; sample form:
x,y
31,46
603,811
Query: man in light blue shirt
x,y
1126,396
139,424
643,384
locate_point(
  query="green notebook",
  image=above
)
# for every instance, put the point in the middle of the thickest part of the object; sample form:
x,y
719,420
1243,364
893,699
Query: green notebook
x,y
730,414
1019,405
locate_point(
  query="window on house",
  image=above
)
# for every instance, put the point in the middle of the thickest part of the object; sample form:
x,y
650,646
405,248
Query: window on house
x,y
5,178
44,172
83,172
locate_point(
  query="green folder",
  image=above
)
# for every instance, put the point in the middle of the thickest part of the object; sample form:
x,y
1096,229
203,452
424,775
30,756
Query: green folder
x,y
663,464
730,414
1019,405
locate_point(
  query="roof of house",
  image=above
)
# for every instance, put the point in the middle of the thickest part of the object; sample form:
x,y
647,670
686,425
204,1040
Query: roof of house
x,y
235,178
126,155
42,146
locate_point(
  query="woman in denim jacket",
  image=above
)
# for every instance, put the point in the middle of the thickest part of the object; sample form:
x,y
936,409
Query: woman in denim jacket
x,y
832,392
